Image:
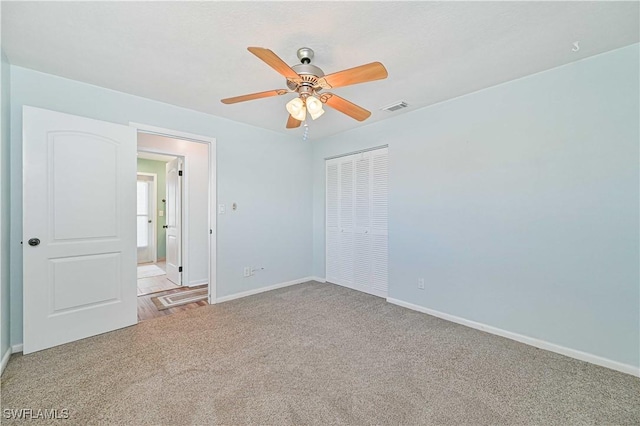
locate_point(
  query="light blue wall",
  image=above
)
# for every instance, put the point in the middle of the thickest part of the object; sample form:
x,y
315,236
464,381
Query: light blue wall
x,y
518,204
5,114
265,172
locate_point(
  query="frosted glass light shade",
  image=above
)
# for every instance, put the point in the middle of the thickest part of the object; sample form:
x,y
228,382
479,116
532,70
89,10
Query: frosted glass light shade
x,y
316,114
314,106
296,108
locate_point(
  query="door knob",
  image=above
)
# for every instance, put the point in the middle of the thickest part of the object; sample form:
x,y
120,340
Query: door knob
x,y
165,226
149,221
34,242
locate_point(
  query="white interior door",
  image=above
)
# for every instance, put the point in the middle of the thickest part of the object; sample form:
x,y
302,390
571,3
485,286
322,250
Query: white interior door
x,y
173,221
145,204
79,227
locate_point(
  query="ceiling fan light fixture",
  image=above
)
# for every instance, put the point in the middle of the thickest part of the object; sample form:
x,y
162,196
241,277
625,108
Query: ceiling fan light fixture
x,y
314,106
316,114
306,80
296,108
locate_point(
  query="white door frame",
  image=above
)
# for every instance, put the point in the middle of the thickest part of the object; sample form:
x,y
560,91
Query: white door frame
x,y
176,134
153,214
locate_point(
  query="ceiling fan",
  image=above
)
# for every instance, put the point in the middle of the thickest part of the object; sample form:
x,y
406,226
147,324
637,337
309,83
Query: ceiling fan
x,y
308,81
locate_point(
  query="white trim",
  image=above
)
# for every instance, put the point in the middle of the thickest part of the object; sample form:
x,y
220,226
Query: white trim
x,y
213,217
363,289
386,145
154,213
552,347
263,289
16,348
5,359
145,128
319,279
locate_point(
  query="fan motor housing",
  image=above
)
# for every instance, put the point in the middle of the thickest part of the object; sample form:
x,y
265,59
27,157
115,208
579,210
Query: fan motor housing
x,y
309,74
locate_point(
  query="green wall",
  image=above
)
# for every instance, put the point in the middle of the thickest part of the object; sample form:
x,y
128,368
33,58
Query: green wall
x,y
158,167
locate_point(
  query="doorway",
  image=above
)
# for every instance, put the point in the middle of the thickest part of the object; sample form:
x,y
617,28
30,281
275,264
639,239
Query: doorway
x,y
146,200
185,222
154,212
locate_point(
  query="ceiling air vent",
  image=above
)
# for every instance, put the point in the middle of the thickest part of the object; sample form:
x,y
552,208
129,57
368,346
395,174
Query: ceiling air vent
x,y
395,106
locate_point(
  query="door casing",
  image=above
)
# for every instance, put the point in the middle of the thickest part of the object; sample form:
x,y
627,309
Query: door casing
x,y
212,211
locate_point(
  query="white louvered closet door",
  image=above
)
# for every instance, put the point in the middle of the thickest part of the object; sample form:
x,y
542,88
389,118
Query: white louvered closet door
x,y
332,224
379,219
356,221
362,238
346,221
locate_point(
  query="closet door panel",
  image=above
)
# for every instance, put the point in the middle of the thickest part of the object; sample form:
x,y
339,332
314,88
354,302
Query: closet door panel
x,y
346,194
362,214
346,171
332,273
379,190
379,270
346,259
362,192
379,219
362,260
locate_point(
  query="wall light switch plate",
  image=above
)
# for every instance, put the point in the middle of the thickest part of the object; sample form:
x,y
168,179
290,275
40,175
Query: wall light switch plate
x,y
221,209
160,213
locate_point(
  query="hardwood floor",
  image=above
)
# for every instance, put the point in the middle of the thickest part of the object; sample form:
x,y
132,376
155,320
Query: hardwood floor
x,y
147,310
155,284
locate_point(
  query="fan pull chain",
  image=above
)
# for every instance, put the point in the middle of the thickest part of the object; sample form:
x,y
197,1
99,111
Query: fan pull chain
x,y
305,136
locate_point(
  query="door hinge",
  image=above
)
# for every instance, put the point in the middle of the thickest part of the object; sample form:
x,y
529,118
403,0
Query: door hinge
x,y
179,172
180,269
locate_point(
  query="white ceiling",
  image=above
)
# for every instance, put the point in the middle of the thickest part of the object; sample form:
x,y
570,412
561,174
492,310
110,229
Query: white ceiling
x,y
193,54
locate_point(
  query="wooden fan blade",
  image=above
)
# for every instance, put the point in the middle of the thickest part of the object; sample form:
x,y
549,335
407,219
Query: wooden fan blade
x,y
344,106
292,123
361,74
253,96
274,62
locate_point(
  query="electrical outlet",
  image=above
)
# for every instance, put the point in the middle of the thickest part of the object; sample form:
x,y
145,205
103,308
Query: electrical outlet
x,y
247,271
421,283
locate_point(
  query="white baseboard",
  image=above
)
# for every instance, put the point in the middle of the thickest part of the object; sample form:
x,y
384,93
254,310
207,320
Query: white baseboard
x,y
262,289
320,280
16,348
573,353
5,359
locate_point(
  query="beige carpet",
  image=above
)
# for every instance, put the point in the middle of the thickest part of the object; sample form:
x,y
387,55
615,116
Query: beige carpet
x,y
314,354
